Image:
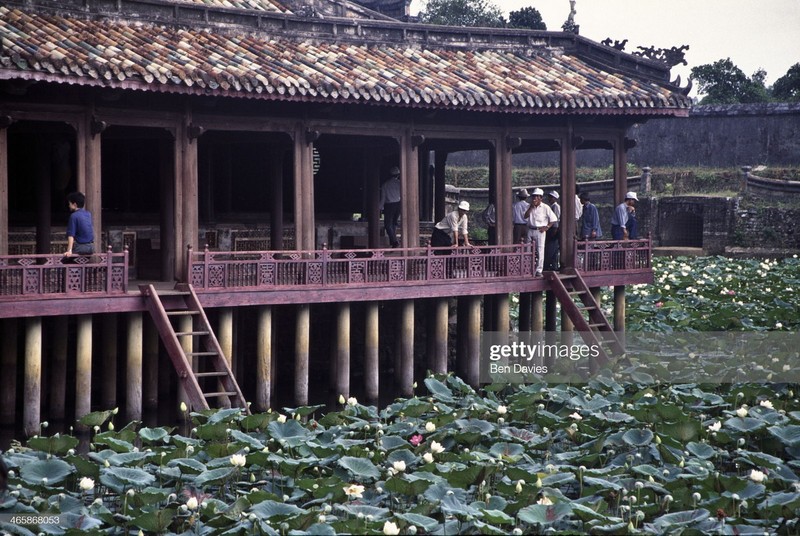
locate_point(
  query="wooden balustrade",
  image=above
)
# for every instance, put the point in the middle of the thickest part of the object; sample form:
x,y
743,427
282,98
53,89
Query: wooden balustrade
x,y
26,276
211,270
613,255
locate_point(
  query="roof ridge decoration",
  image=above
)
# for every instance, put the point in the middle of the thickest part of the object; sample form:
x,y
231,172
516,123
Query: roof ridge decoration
x,y
284,57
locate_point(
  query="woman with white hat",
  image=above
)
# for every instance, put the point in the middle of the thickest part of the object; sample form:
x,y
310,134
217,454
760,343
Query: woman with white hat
x,y
447,232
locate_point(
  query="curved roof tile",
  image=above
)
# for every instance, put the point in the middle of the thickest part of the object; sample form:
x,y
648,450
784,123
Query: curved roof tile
x,y
164,57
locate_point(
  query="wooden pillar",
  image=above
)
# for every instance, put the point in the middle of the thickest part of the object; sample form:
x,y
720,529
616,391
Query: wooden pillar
x,y
276,207
90,175
440,165
301,354
503,190
371,353
501,313
32,402
425,186
225,333
342,356
171,243
525,320
264,359
409,184
43,197
4,123
304,220
492,229
58,374
489,313
8,364
620,168
537,317
568,225
469,316
550,311
188,198
150,366
83,367
437,334
372,179
406,333
619,308
187,343
135,354
108,393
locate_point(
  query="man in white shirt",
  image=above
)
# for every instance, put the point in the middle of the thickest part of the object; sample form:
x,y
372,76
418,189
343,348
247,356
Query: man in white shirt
x,y
540,218
619,220
390,205
518,209
454,224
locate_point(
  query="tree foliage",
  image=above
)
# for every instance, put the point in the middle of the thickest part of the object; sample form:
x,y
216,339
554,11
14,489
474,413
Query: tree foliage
x,y
787,87
473,13
527,17
722,82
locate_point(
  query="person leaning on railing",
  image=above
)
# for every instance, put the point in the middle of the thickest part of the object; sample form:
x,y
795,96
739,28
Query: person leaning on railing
x,y
590,220
446,232
620,220
80,233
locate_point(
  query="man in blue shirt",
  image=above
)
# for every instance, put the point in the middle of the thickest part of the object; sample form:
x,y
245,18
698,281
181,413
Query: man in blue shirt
x,y
619,220
80,233
590,228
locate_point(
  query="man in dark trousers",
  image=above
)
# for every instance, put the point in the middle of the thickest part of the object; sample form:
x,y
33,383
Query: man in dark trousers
x,y
80,233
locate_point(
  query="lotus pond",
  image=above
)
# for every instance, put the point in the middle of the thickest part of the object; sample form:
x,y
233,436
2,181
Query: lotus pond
x,y
599,457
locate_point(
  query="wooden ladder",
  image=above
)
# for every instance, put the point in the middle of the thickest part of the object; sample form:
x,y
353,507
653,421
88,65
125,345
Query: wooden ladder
x,y
216,371
576,299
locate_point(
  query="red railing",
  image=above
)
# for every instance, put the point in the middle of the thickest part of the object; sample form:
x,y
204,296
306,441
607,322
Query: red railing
x,y
613,255
51,275
212,270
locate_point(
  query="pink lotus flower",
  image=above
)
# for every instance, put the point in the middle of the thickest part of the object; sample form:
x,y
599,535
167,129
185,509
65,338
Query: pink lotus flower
x,y
731,293
416,439
659,304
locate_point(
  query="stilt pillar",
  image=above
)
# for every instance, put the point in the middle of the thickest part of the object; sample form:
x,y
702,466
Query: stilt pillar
x,y
469,334
264,359
8,364
550,311
225,338
525,311
342,357
58,374
619,308
502,314
371,354
83,367
133,391
150,366
406,333
187,343
438,355
108,396
301,354
537,316
31,410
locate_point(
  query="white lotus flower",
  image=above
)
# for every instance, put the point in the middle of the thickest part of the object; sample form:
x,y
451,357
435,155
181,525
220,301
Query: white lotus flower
x,y
399,466
436,448
766,403
352,401
281,418
741,412
757,476
391,529
238,460
427,457
192,503
545,501
354,491
502,410
86,483
716,427
577,416
430,427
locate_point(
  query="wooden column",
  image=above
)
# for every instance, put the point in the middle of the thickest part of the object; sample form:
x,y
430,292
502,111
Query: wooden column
x,y
275,178
264,359
372,179
8,364
4,123
83,367
406,333
469,326
301,354
371,353
409,179
43,197
492,230
525,321
150,366
304,219
425,186
188,198
619,308
135,354
438,326
503,190
342,357
568,226
502,315
440,165
108,392
32,402
90,174
537,317
550,311
170,239
225,333
58,374
184,324
620,169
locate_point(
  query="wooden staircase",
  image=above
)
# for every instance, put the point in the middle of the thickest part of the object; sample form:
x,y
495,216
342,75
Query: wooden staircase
x,y
586,315
216,379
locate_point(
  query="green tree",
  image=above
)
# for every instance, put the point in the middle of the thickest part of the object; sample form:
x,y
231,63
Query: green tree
x,y
722,82
527,17
462,13
787,87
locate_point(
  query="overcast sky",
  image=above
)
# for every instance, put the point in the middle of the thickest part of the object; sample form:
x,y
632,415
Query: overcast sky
x,y
752,33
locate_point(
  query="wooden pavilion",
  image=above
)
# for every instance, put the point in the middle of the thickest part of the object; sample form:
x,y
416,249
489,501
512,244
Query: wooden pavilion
x,y
229,148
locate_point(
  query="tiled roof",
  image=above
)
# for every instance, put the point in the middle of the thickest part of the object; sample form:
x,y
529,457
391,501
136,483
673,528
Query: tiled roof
x,y
237,61
275,6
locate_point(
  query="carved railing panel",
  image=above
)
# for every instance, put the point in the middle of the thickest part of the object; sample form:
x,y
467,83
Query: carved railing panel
x,y
613,255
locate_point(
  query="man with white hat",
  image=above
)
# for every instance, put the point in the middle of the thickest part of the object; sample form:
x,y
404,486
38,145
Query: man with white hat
x,y
518,209
454,224
540,218
619,220
551,245
390,205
